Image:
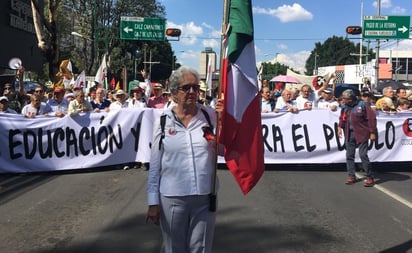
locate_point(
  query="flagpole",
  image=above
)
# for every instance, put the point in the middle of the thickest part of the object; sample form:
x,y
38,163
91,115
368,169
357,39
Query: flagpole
x,y
225,20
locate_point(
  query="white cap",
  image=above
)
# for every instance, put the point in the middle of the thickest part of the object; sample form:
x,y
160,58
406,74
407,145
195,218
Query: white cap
x,y
4,98
69,95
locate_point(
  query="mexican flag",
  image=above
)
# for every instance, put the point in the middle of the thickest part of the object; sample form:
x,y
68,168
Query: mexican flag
x,y
241,129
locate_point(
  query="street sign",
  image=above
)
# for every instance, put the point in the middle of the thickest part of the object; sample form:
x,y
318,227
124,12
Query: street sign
x,y
139,28
386,27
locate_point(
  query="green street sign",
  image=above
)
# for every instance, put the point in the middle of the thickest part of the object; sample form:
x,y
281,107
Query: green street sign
x,y
386,27
139,28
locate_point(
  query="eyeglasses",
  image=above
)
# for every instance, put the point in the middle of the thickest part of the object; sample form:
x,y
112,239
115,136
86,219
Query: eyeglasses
x,y
186,87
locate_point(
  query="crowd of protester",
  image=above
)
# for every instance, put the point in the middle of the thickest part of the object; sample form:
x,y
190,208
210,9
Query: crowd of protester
x,y
61,101
281,99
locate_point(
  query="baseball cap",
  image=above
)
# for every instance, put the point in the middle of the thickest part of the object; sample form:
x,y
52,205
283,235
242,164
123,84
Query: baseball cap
x,y
59,90
157,86
138,88
4,98
328,91
366,93
69,95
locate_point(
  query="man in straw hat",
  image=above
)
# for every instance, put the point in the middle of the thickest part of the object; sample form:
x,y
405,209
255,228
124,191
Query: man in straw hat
x,y
121,100
204,99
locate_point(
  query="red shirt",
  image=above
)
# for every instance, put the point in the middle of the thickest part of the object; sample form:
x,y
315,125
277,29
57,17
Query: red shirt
x,y
157,102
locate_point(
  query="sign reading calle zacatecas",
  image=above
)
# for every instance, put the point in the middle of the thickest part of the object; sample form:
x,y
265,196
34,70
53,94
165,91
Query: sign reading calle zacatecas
x,y
139,28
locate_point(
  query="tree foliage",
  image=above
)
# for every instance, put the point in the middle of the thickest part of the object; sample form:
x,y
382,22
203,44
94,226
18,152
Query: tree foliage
x,y
98,21
270,70
333,52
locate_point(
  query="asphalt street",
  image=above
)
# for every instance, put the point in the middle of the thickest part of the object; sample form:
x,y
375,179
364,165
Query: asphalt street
x,y
290,210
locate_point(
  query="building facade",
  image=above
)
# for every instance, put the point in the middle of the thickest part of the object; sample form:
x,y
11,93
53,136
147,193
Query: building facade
x,y
206,56
401,64
393,65
19,41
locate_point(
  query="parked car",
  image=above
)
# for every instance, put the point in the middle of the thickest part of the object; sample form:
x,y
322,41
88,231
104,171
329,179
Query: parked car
x,y
30,86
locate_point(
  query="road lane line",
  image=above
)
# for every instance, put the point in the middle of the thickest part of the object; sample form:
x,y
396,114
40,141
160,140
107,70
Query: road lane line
x,y
390,193
394,196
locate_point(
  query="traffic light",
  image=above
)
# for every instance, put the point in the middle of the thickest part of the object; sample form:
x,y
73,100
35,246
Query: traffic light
x,y
173,32
354,29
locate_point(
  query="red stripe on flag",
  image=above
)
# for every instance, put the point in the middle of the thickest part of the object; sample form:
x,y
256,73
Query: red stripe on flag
x,y
244,146
224,75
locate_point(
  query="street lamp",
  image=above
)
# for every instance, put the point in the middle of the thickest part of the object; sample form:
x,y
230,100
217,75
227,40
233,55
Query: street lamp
x,y
137,55
173,60
81,36
150,62
85,47
315,69
276,56
397,70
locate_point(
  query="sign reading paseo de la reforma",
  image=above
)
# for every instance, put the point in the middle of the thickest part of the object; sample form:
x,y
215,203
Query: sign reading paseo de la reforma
x,y
386,27
139,28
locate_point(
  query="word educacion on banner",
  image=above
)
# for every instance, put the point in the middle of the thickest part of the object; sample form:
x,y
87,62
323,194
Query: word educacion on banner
x,y
64,141
301,139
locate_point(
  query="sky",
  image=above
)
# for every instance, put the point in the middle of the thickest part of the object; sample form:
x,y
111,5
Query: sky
x,y
285,31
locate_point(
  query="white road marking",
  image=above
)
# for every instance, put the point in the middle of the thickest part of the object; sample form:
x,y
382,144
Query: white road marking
x,y
389,193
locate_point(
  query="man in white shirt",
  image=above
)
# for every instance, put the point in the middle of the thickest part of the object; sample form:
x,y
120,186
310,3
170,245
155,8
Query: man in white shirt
x,y
327,100
137,99
306,99
121,101
285,102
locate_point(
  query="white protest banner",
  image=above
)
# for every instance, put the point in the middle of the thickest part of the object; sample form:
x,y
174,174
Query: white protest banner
x,y
311,137
93,140
87,140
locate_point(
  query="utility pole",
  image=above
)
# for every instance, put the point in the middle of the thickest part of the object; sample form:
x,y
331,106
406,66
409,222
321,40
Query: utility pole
x,y
377,51
150,62
315,69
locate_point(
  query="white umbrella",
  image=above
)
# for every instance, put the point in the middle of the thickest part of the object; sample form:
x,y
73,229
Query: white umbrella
x,y
285,79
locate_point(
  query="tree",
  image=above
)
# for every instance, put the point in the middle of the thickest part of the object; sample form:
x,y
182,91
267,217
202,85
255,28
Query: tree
x,y
334,51
270,70
99,22
46,32
122,52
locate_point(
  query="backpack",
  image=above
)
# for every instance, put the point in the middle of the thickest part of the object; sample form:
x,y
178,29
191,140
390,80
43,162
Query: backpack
x,y
163,123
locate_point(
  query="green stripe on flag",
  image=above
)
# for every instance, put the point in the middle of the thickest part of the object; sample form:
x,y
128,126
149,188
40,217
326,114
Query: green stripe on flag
x,y
241,27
